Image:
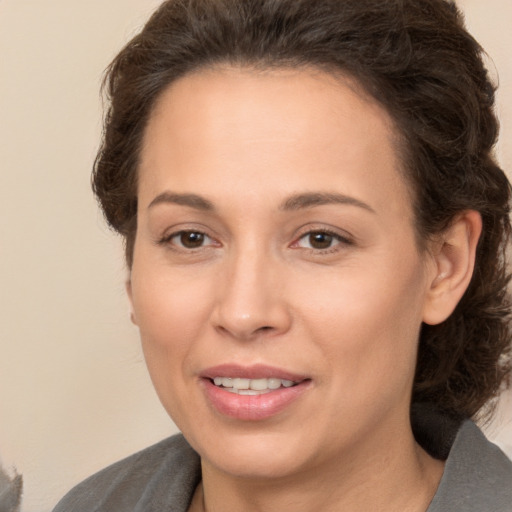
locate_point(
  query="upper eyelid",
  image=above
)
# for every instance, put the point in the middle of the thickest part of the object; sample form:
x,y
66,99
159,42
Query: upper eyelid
x,y
300,232
327,232
339,233
166,238
176,229
341,240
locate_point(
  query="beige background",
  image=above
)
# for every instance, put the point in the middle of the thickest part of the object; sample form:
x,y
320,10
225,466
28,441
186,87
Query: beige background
x,y
74,393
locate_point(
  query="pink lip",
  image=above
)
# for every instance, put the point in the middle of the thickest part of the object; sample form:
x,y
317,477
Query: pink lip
x,y
256,371
249,407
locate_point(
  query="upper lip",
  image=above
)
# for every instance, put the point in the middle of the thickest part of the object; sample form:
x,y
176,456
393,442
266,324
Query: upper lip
x,y
256,371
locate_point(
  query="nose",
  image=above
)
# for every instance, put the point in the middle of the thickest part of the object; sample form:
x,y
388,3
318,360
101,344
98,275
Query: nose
x,y
251,300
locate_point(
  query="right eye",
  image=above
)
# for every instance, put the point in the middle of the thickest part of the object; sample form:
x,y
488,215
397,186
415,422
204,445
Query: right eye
x,y
189,239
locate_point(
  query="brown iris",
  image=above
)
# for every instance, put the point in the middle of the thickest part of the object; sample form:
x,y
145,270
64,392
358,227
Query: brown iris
x,y
320,240
192,239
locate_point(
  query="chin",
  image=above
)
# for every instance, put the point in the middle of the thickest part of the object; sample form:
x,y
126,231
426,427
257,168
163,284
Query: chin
x,y
255,455
255,464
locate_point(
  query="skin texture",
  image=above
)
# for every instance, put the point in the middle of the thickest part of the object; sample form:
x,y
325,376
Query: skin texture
x,y
259,289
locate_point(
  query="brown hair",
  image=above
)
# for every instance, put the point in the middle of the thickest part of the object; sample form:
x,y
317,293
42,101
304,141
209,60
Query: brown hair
x,y
414,57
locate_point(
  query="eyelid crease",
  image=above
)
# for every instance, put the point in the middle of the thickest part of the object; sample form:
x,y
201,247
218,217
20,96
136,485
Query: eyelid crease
x,y
314,227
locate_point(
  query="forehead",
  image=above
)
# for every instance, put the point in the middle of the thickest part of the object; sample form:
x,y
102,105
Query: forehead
x,y
268,130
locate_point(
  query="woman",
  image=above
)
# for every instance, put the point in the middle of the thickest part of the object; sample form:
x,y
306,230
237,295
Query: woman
x,y
315,231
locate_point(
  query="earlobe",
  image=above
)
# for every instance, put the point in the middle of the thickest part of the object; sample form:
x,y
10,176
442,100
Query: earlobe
x,y
128,286
454,261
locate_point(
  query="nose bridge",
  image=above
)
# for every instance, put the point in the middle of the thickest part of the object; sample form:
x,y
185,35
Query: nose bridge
x,y
250,299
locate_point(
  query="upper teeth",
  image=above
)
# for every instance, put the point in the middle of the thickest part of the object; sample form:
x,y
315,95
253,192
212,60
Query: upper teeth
x,y
251,386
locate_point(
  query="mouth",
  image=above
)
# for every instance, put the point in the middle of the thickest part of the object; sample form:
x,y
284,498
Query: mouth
x,y
252,387
252,393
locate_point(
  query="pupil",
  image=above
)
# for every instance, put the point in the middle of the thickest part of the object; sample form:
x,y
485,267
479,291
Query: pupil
x,y
320,240
192,240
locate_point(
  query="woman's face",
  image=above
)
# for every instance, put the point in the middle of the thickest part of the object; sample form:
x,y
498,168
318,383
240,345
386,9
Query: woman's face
x,y
275,246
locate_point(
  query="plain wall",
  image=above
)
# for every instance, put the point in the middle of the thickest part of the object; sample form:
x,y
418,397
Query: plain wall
x,y
74,391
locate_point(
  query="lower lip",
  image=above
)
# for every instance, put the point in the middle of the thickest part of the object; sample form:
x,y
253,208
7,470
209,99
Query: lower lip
x,y
252,407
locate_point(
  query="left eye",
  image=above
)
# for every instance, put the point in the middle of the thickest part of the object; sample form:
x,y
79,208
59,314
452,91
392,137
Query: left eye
x,y
319,240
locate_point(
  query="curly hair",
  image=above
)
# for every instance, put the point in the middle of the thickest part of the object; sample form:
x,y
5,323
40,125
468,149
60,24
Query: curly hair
x,y
415,58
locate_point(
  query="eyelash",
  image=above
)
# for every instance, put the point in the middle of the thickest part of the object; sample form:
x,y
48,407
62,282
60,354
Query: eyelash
x,y
167,240
341,241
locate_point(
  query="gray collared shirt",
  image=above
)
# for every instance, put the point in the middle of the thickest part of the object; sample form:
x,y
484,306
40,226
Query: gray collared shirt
x,y
163,477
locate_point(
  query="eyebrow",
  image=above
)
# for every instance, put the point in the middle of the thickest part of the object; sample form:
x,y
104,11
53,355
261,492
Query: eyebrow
x,y
312,199
191,200
295,202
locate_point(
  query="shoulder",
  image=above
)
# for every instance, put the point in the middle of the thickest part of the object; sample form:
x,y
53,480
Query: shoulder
x,y
477,476
161,477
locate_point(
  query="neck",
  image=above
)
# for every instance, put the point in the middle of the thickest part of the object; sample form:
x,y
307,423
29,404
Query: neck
x,y
387,476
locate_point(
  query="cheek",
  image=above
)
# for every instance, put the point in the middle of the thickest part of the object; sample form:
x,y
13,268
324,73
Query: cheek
x,y
169,310
367,323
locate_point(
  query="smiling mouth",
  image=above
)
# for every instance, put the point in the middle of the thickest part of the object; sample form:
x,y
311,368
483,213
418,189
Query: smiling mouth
x,y
243,386
252,393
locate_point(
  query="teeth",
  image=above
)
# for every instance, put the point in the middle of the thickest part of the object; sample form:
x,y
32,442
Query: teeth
x,y
251,386
227,383
242,383
274,383
259,384
246,391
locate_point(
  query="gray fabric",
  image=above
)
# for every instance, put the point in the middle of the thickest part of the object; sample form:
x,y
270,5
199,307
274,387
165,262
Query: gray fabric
x,y
10,492
477,476
162,478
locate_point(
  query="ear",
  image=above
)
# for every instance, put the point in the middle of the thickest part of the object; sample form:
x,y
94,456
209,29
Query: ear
x,y
128,286
453,256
